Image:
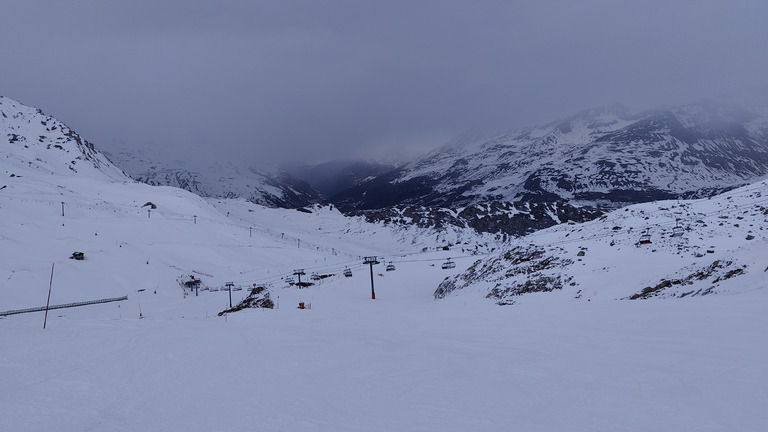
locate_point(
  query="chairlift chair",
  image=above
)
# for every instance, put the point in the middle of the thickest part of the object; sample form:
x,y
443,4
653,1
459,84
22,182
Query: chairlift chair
x,y
449,264
644,239
347,272
315,277
677,230
390,266
289,281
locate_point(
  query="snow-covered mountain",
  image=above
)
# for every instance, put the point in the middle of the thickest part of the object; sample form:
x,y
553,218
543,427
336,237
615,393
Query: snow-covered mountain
x,y
501,218
663,249
332,177
40,143
265,185
605,155
582,357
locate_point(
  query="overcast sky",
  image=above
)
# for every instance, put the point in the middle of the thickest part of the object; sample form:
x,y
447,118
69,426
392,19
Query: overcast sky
x,y
313,80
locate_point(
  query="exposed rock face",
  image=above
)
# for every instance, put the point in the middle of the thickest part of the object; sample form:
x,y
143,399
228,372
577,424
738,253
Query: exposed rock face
x,y
258,298
506,218
516,272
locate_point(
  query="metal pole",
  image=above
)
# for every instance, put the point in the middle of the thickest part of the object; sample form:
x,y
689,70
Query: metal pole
x,y
62,209
229,285
373,293
250,231
50,285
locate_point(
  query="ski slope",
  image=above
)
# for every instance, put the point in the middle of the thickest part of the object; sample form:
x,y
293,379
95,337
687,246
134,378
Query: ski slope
x,y
401,362
164,360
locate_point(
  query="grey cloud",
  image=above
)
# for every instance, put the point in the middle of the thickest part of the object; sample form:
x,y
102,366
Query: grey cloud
x,y
324,79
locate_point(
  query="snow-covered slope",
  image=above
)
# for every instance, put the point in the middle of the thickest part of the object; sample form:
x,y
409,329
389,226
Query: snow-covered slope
x,y
164,360
57,199
36,143
551,363
604,155
672,249
265,185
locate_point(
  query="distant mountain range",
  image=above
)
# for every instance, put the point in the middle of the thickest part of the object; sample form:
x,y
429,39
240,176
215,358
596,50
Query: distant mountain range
x,y
265,185
573,169
607,156
332,177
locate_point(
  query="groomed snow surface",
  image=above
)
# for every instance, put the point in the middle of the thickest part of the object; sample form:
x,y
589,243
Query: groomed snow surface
x,y
397,363
401,362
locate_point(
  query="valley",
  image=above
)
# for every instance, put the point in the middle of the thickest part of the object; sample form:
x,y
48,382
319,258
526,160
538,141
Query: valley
x,y
576,326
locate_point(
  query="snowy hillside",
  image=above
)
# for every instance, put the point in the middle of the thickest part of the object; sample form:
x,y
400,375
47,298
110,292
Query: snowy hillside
x,y
580,358
664,249
35,142
265,185
604,155
151,235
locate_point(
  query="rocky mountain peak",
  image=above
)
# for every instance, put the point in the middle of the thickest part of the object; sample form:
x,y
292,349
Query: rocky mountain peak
x,y
33,140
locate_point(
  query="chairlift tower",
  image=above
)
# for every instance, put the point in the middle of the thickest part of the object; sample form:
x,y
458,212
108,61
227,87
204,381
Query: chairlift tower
x,y
299,273
371,260
229,286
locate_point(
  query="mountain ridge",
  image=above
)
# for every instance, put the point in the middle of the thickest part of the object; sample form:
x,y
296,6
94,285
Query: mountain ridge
x,y
46,144
265,185
607,155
